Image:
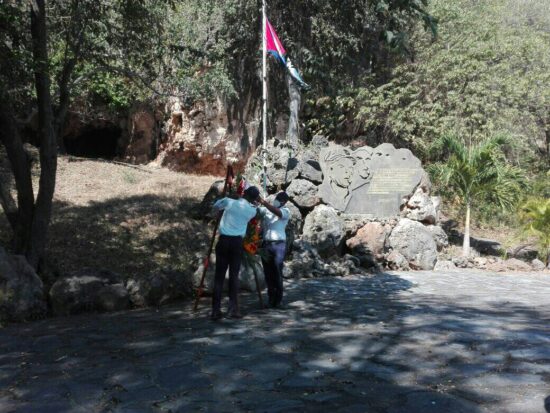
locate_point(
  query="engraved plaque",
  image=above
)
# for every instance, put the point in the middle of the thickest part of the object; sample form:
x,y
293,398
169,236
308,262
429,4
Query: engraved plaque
x,y
367,180
387,181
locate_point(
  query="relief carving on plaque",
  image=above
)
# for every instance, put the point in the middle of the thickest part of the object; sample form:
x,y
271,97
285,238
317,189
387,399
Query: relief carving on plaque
x,y
340,168
367,180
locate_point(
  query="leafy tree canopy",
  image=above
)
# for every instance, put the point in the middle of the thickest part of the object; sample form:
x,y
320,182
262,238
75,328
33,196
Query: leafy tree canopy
x,y
489,72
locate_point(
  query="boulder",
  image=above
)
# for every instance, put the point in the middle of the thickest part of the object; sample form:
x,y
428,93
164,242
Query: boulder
x,y
323,230
214,193
397,261
303,193
317,143
371,237
479,262
444,265
159,288
246,276
142,130
436,201
368,244
415,243
440,237
305,262
538,265
88,290
296,220
310,170
113,297
420,208
282,166
353,222
462,262
523,252
513,264
339,266
496,265
21,290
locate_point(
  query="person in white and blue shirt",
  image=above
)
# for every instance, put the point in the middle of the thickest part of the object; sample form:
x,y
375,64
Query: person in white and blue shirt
x,y
229,249
274,221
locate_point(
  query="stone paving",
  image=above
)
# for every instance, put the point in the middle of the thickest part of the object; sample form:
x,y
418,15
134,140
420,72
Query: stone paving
x,y
404,342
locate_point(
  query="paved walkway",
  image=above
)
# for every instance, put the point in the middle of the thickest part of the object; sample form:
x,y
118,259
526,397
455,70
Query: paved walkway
x,y
413,342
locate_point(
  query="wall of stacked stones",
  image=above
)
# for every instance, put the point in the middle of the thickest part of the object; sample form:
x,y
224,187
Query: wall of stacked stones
x,y
353,208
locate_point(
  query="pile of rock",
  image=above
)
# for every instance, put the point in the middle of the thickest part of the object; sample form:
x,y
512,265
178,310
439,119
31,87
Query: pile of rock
x,y
100,290
370,204
495,264
356,209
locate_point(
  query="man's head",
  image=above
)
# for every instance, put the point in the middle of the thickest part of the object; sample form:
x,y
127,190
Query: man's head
x,y
281,199
251,194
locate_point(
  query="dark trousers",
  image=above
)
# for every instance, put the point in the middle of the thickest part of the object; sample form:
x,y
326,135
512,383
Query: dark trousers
x,y
272,262
229,251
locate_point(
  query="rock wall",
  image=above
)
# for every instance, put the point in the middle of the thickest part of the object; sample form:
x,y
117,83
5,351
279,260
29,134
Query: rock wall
x,y
141,134
201,138
402,234
132,137
204,138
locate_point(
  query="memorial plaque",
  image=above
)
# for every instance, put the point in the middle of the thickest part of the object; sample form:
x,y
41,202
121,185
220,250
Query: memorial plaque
x,y
368,180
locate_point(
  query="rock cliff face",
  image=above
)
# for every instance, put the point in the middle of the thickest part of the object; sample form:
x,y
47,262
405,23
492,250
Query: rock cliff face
x,y
204,138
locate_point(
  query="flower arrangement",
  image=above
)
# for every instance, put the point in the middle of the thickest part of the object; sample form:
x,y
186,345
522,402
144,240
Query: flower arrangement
x,y
252,239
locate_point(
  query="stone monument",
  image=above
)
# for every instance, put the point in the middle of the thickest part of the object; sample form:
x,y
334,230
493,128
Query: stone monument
x,y
371,181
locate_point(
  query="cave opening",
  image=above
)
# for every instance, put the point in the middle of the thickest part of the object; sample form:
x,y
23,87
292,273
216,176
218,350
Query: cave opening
x,y
94,142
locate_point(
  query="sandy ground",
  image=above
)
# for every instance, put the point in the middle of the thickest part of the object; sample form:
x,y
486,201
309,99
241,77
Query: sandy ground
x,y
125,218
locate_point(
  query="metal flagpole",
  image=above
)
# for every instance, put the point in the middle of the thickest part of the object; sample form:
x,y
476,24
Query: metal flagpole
x,y
264,98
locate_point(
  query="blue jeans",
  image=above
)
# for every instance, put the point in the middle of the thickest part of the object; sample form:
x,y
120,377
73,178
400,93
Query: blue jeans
x,y
229,252
273,270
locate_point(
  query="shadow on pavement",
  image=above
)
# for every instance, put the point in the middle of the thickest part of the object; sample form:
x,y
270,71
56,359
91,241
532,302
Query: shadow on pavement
x,y
345,345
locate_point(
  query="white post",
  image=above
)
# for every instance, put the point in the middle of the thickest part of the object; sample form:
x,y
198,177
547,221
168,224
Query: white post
x,y
264,97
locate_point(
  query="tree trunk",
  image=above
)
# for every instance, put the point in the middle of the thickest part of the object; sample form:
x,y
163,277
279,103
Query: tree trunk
x,y
8,204
64,100
466,243
21,168
48,146
293,134
547,133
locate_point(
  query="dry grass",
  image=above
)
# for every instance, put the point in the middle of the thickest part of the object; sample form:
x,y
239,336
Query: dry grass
x,y
130,220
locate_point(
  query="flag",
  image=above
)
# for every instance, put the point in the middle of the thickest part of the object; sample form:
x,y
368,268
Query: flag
x,y
276,49
274,45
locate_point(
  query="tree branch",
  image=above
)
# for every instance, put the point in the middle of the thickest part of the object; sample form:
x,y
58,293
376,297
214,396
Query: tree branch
x,y
48,147
9,136
8,203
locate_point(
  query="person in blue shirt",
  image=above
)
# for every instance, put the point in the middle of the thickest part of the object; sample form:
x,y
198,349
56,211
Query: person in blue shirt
x,y
229,249
274,221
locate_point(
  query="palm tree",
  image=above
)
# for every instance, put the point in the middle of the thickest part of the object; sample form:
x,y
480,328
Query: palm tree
x,y
534,214
476,173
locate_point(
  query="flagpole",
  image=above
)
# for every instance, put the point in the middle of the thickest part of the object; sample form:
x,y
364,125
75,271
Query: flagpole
x,y
264,98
